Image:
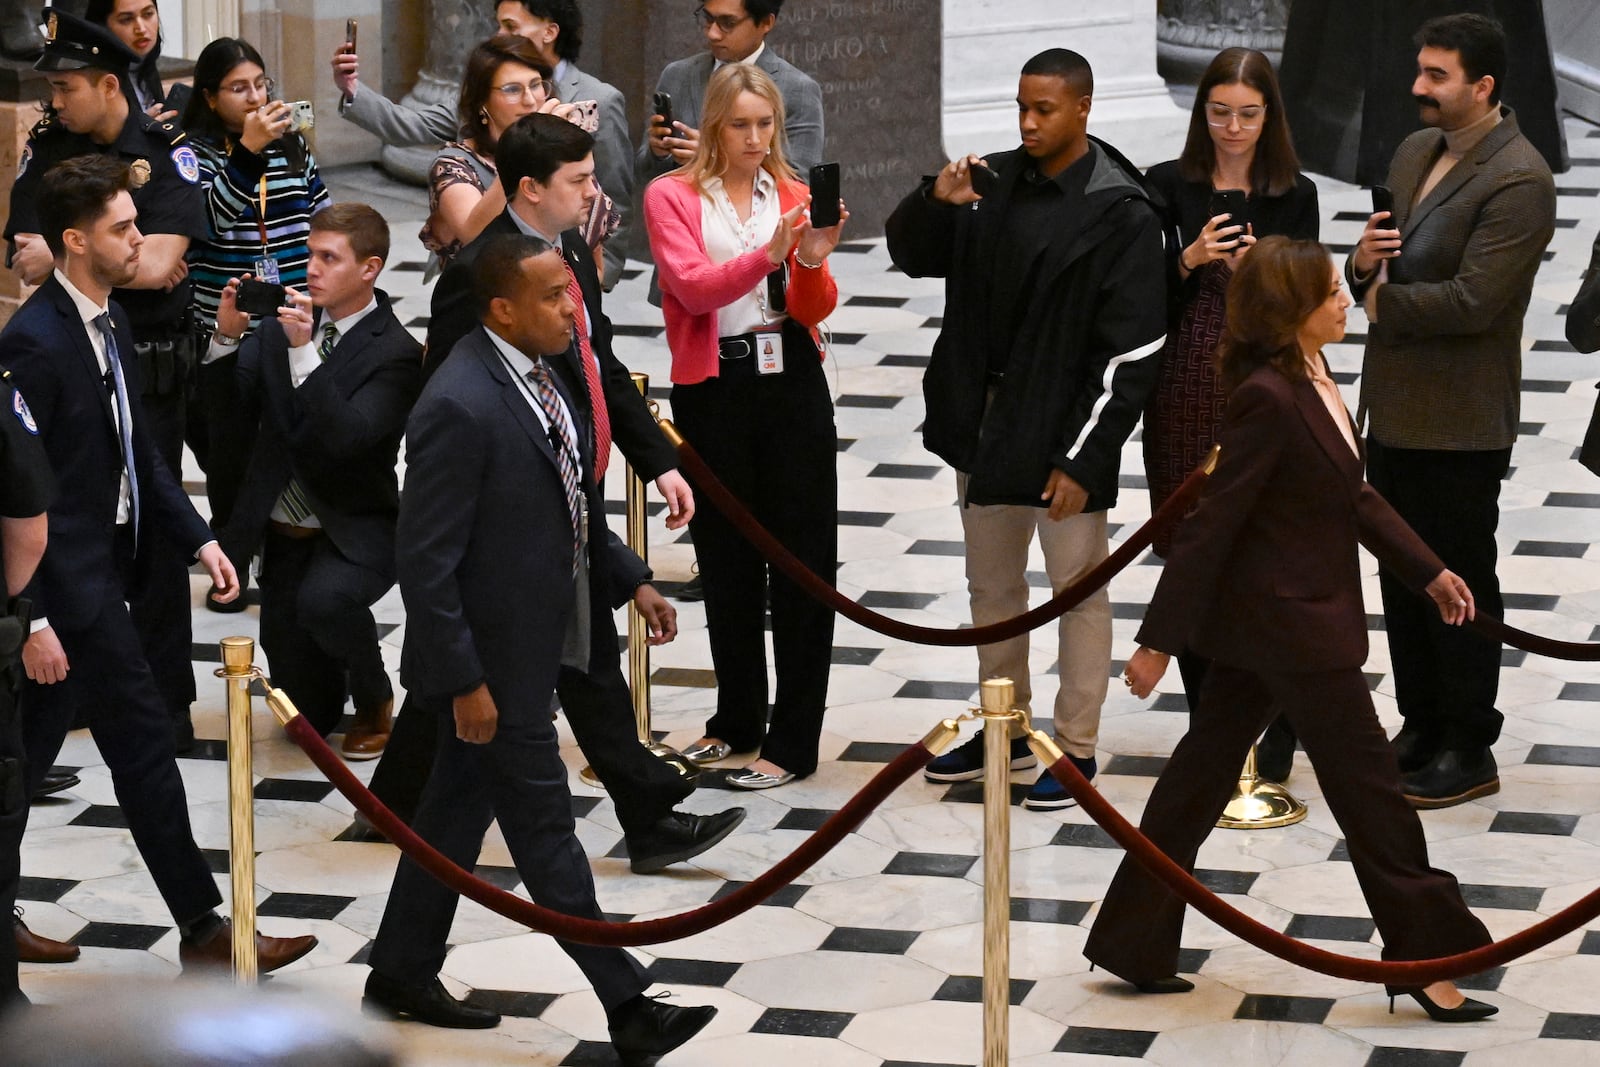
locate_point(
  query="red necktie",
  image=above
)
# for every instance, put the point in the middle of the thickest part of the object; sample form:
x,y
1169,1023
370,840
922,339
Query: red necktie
x,y
591,378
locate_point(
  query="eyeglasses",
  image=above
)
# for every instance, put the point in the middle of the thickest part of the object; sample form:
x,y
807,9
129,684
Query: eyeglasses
x,y
260,85
725,23
1222,116
511,92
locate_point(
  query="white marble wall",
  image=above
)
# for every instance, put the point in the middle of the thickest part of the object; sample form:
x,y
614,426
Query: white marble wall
x,y
986,43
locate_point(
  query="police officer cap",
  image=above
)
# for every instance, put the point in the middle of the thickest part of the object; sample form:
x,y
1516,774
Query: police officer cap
x,y
73,43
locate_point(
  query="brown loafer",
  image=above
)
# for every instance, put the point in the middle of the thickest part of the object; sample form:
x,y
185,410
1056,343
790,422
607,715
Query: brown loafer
x,y
369,734
36,948
217,950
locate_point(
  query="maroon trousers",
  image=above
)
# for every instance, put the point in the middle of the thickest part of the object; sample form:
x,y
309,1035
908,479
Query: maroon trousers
x,y
1418,909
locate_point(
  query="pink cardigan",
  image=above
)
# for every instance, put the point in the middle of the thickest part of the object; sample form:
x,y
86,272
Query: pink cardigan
x,y
693,288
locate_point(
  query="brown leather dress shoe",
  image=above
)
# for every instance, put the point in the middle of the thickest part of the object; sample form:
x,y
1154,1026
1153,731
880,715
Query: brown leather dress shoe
x,y
217,950
36,948
369,734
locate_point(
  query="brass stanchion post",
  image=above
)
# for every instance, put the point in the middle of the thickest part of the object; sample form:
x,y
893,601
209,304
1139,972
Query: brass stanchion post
x,y
996,697
639,631
238,670
1259,804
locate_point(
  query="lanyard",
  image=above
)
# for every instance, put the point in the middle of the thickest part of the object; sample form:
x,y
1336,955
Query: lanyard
x,y
261,218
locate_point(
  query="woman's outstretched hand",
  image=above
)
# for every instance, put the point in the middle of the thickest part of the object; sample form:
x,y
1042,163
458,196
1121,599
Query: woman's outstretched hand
x,y
1452,597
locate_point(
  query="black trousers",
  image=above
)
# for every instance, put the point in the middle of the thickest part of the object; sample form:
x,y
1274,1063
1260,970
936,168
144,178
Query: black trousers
x,y
110,682
1418,909
13,820
772,442
159,596
519,779
229,438
599,708
1446,678
317,627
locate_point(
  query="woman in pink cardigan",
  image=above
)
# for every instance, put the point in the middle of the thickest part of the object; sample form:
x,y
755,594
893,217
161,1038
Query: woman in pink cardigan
x,y
744,281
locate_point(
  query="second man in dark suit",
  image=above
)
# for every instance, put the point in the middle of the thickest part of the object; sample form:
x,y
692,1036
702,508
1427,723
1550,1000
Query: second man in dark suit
x,y
330,382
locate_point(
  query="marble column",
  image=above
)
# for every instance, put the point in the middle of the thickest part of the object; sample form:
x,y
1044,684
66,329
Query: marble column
x,y
1575,31
986,43
454,26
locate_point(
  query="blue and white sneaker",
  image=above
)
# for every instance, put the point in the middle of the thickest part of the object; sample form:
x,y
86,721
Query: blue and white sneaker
x,y
965,764
1047,794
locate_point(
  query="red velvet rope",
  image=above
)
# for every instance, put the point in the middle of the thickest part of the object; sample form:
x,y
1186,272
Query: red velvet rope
x,y
709,485
1409,973
594,931
1502,633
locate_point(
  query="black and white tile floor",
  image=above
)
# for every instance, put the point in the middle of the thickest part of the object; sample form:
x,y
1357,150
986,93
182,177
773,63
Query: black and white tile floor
x,y
871,958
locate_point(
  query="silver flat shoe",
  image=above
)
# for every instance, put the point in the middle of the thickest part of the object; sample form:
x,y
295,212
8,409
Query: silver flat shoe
x,y
710,752
754,779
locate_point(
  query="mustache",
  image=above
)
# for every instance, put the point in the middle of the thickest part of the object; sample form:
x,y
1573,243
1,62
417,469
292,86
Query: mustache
x,y
1426,101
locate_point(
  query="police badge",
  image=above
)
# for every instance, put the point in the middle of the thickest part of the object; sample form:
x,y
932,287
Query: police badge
x,y
140,169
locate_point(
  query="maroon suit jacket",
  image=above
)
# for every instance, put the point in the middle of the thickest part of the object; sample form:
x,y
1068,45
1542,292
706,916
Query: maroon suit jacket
x,y
1265,574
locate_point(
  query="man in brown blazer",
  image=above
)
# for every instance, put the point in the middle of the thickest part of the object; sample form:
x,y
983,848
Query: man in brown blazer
x,y
1446,283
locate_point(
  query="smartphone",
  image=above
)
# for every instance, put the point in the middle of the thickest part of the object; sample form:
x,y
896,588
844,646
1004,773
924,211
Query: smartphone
x,y
824,195
301,117
178,98
1234,204
1383,200
586,114
984,180
261,299
350,35
663,106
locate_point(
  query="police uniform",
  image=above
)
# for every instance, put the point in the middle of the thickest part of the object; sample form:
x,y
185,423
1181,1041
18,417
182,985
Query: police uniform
x,y
168,196
26,490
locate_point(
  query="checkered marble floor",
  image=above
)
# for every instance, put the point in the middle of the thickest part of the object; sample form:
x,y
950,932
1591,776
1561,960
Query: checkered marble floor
x,y
872,957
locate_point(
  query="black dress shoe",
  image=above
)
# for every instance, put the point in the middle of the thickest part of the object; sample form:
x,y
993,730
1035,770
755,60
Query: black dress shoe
x,y
1414,748
1275,751
54,782
678,837
1454,776
645,1029
1468,1011
430,1003
1170,984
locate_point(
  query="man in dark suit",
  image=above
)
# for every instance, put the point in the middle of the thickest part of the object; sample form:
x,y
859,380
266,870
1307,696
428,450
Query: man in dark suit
x,y
506,581
547,166
331,382
67,349
736,32
1441,384
1583,316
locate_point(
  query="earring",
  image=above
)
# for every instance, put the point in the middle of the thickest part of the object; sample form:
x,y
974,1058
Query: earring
x,y
483,115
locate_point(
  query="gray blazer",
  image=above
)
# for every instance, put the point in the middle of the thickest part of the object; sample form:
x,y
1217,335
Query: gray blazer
x,y
685,80
1443,367
1583,317
396,124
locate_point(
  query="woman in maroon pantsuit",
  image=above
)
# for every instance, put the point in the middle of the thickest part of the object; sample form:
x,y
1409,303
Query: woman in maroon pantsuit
x,y
1264,581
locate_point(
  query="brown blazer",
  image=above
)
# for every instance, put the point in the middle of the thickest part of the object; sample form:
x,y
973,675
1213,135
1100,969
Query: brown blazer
x,y
1443,366
1264,575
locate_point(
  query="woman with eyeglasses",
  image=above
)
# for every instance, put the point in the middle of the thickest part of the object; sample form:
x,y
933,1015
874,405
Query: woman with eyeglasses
x,y
1237,181
744,282
137,23
504,79
261,189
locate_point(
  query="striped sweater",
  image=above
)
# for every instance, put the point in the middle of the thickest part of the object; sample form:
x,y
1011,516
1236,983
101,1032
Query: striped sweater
x,y
232,180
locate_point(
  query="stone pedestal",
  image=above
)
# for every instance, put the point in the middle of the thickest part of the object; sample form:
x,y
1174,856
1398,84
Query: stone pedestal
x,y
454,26
1575,30
986,43
1189,33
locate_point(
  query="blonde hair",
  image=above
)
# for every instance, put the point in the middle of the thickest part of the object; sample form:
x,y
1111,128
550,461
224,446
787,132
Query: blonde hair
x,y
721,93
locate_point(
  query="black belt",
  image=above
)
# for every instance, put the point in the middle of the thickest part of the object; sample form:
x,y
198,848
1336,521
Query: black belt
x,y
739,346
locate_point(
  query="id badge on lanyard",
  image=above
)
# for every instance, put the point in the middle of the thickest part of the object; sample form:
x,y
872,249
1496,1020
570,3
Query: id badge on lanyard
x,y
266,267
769,352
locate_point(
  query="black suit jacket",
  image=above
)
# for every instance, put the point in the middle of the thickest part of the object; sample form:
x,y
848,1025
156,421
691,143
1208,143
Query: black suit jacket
x,y
485,539
46,346
1583,317
1265,574
339,434
455,314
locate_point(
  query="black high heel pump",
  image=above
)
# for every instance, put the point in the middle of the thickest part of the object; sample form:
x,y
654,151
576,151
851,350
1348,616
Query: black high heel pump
x,y
1468,1011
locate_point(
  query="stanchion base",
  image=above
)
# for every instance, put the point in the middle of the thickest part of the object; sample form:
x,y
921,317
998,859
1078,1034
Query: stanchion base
x,y
672,757
1258,804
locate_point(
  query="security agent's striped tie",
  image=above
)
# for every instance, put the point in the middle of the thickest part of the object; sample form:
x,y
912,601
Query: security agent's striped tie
x,y
566,451
293,501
